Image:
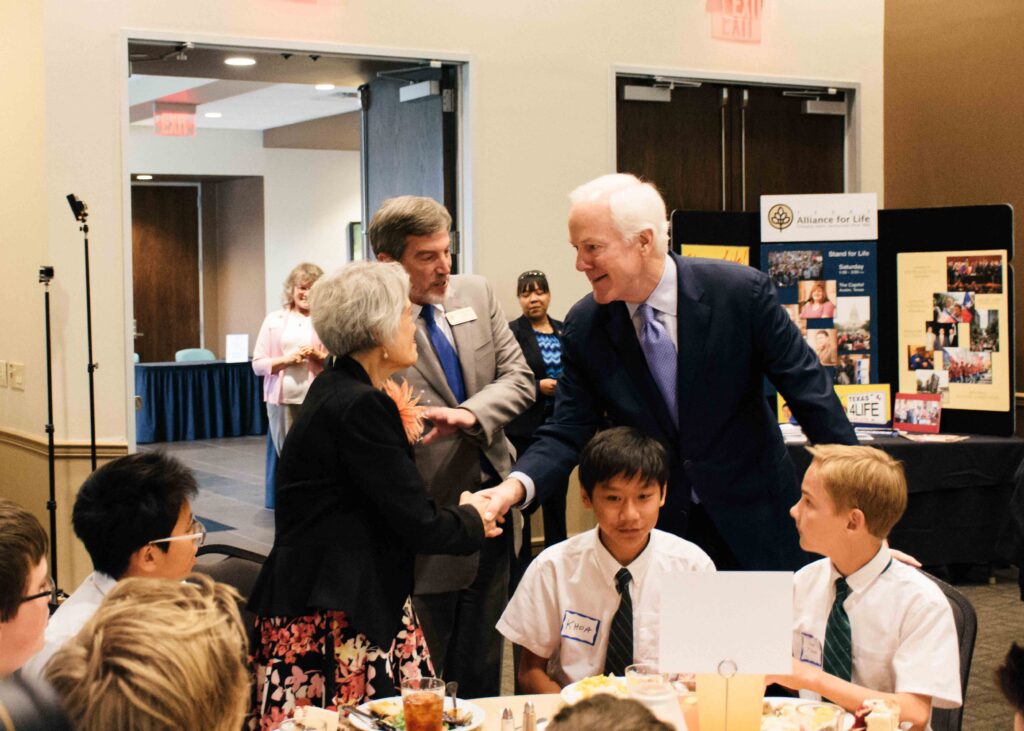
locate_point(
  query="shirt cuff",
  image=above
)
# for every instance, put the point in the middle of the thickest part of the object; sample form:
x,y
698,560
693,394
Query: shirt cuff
x,y
528,486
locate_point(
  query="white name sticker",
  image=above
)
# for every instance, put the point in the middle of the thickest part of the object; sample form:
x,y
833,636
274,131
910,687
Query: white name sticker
x,y
461,315
579,627
810,649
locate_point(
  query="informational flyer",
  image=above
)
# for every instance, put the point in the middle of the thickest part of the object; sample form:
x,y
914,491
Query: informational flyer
x,y
953,310
738,254
830,292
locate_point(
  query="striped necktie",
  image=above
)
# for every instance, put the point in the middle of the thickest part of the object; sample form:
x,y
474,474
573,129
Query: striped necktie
x,y
838,659
620,637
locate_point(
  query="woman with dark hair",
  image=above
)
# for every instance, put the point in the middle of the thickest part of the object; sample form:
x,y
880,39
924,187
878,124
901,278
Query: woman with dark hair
x,y
540,338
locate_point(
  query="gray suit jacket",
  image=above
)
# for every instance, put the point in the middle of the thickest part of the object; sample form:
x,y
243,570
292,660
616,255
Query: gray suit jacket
x,y
499,387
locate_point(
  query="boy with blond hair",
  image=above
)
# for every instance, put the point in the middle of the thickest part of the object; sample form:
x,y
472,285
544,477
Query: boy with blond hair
x,y
866,626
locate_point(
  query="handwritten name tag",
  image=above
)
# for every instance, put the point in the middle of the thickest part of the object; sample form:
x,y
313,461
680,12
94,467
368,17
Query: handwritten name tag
x,y
461,315
579,627
810,649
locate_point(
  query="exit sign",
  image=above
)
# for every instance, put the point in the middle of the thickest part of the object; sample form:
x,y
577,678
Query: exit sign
x,y
174,120
736,20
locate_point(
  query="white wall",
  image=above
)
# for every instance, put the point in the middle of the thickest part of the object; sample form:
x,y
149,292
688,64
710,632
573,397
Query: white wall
x,y
310,196
540,121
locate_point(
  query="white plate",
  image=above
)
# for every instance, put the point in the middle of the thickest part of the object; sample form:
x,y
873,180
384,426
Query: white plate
x,y
477,722
571,693
785,701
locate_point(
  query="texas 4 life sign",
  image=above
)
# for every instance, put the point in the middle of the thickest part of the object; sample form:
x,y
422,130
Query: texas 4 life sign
x,y
829,217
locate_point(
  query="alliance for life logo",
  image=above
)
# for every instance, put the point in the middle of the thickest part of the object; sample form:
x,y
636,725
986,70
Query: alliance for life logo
x,y
825,217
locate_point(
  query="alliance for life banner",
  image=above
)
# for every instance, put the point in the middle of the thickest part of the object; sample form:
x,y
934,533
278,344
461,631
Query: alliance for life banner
x,y
826,217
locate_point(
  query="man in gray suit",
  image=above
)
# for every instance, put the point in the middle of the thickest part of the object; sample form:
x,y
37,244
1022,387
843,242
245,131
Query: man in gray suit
x,y
473,376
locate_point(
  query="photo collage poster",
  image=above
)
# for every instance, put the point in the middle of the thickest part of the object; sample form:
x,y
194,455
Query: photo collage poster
x,y
953,338
830,291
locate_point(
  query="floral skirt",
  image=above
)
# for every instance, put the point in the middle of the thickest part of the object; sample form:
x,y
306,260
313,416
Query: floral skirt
x,y
319,660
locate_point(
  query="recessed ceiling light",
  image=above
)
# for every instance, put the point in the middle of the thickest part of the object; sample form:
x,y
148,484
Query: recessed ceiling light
x,y
143,177
324,87
240,61
213,115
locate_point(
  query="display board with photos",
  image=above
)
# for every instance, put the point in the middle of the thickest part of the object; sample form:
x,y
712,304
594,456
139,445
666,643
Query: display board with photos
x,y
960,232
830,291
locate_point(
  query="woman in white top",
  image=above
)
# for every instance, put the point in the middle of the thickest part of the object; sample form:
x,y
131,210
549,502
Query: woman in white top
x,y
288,353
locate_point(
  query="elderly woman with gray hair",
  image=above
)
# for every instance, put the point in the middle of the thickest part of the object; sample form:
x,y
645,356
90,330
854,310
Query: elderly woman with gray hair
x,y
336,625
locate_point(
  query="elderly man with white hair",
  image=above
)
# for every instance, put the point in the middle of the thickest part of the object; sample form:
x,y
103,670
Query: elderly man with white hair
x,y
679,348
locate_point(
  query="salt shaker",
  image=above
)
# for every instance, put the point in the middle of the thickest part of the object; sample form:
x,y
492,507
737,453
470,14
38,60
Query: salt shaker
x,y
507,723
529,717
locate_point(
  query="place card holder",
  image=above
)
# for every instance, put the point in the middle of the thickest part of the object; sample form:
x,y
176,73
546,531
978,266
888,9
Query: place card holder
x,y
729,700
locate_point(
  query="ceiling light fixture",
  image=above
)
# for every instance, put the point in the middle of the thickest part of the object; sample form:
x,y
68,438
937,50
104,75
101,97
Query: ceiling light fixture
x,y
324,87
213,115
143,177
240,61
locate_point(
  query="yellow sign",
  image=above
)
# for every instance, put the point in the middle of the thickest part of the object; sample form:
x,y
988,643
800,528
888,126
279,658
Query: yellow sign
x,y
738,254
865,404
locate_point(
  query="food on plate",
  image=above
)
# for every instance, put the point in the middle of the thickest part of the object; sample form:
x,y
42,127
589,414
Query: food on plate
x,y
595,684
779,714
877,714
390,711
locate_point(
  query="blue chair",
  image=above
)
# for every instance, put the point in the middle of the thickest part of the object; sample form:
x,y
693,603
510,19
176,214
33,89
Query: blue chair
x,y
194,355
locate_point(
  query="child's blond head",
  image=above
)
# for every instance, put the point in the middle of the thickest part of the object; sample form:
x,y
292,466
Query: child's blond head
x,y
863,478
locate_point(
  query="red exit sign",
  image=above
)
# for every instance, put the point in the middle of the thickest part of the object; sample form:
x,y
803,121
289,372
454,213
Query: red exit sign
x,y
174,120
736,20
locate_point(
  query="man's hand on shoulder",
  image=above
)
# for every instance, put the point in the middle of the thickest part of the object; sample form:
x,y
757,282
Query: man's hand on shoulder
x,y
447,421
504,496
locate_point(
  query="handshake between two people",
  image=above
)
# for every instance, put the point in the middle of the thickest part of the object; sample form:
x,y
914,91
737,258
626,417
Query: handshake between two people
x,y
493,503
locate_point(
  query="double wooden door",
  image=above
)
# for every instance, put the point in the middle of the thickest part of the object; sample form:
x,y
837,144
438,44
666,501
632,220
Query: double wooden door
x,y
719,147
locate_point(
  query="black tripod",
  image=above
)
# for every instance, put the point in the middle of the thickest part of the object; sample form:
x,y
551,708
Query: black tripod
x,y
45,275
81,211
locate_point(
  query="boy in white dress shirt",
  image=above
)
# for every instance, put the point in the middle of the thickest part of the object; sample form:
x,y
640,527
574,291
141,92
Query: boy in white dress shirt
x,y
590,605
891,633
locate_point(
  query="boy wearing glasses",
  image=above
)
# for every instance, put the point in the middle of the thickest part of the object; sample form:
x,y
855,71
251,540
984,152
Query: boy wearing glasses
x,y
24,586
134,516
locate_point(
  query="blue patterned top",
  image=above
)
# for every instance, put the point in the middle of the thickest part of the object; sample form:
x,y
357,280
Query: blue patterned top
x,y
551,350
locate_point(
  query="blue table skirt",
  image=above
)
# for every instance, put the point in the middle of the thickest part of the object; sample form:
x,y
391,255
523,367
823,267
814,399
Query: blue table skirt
x,y
188,401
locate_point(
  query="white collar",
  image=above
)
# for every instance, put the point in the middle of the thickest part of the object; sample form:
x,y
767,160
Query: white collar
x,y
862,578
665,297
103,582
609,565
417,309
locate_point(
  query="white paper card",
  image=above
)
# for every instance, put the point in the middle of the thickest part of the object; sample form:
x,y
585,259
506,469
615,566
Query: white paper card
x,y
742,616
822,217
236,348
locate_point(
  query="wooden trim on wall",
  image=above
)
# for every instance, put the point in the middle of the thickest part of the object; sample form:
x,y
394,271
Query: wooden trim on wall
x,y
62,449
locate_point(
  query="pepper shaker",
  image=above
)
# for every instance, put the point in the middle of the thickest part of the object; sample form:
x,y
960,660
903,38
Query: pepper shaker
x,y
529,717
507,723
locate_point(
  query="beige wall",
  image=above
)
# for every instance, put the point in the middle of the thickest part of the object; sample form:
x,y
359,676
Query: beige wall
x,y
539,121
953,107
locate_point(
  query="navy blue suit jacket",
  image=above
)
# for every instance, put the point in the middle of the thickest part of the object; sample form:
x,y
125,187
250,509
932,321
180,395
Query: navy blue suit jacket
x,y
728,448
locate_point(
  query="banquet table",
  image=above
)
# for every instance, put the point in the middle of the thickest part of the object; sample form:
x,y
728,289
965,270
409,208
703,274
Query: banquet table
x,y
959,497
207,400
546,706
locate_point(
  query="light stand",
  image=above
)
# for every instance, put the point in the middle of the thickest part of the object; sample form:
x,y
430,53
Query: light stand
x,y
45,275
81,213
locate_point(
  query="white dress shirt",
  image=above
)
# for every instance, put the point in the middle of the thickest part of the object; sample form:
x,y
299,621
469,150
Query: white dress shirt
x,y
69,618
904,637
439,318
563,607
664,300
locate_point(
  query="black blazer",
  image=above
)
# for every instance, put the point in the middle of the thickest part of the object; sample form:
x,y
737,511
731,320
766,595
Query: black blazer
x,y
352,511
728,448
524,425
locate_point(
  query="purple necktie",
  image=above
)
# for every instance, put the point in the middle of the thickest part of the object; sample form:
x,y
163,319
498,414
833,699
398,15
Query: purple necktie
x,y
661,358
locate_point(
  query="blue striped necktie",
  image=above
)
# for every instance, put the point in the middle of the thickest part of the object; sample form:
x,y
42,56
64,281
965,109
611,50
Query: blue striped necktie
x,y
838,659
661,358
446,354
620,636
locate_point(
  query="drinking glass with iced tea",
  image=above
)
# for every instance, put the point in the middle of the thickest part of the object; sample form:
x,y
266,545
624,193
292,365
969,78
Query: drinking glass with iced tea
x,y
423,704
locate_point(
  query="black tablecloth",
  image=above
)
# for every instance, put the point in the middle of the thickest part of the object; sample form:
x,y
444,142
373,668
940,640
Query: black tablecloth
x,y
959,498
186,401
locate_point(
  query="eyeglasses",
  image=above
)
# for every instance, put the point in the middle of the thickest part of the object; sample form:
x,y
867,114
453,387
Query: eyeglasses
x,y
197,535
50,592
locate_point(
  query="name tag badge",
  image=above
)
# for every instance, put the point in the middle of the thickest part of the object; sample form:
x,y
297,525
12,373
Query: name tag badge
x,y
580,628
461,315
810,649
